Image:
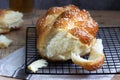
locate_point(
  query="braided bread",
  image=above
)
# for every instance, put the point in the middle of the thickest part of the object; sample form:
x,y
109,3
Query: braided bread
x,y
68,33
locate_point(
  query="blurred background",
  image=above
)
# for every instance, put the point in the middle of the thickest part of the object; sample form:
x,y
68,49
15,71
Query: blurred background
x,y
83,4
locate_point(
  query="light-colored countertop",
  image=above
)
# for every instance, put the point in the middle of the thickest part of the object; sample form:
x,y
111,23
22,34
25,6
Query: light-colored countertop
x,y
104,18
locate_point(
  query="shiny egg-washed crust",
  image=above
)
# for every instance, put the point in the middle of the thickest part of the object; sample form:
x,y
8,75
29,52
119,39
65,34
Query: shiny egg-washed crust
x,y
83,26
50,17
72,20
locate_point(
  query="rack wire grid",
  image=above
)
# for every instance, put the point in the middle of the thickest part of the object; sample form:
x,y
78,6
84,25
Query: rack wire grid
x,y
111,43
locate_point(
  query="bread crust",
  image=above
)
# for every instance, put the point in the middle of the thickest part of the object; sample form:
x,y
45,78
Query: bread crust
x,y
44,22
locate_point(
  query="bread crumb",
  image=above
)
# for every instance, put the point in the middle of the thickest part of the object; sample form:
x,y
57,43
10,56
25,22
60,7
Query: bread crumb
x,y
37,64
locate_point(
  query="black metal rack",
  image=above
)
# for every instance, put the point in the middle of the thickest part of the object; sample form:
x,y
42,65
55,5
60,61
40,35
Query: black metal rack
x,y
111,42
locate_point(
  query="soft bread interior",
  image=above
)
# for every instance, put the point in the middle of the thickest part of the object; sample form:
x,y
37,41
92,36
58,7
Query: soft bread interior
x,y
11,19
62,45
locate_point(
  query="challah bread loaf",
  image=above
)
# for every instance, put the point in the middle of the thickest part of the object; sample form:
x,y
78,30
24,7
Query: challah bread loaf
x,y
64,32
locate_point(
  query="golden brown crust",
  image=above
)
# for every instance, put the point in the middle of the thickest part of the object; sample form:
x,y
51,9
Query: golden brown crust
x,y
79,23
40,41
40,25
91,27
44,22
83,36
54,12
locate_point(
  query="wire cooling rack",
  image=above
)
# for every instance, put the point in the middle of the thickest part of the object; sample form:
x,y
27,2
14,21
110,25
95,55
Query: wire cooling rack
x,y
111,42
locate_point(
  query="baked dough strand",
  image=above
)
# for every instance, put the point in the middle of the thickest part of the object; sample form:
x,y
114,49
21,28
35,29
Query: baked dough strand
x,y
95,60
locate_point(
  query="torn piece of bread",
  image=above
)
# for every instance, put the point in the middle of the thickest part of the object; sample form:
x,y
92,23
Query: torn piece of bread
x,y
34,66
10,20
95,60
4,41
65,31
